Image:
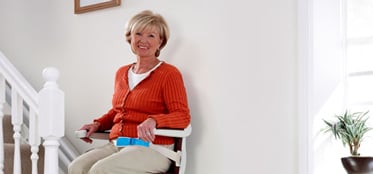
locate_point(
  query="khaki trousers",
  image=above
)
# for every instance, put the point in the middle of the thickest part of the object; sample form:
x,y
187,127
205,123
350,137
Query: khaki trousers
x,y
110,159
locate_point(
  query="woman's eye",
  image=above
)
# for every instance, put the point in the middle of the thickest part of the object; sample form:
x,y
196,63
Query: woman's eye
x,y
138,34
151,35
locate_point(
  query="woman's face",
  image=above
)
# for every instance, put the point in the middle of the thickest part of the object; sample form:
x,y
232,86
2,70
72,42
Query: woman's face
x,y
145,43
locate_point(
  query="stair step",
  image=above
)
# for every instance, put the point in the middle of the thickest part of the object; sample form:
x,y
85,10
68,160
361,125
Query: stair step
x,y
26,164
25,159
8,129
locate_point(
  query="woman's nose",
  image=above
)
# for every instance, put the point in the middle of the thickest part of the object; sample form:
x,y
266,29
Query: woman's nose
x,y
143,39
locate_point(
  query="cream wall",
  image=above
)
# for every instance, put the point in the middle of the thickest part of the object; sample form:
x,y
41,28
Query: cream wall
x,y
238,59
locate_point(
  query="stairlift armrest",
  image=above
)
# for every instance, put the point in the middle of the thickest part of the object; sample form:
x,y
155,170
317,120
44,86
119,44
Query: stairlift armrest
x,y
102,135
162,132
180,133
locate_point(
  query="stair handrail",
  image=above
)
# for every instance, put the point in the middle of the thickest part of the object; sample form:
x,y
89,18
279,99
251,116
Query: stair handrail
x,y
21,91
14,77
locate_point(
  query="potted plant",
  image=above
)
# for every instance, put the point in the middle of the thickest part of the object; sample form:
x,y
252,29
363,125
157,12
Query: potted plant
x,y
351,129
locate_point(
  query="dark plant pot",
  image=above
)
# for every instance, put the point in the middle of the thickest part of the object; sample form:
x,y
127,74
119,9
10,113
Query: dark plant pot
x,y
358,164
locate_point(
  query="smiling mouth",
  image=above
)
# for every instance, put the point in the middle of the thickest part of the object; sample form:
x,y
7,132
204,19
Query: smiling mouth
x,y
142,47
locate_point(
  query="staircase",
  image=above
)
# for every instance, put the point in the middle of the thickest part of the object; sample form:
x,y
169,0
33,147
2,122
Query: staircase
x,y
25,151
21,136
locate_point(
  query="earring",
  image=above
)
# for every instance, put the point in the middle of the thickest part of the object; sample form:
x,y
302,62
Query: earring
x,y
158,52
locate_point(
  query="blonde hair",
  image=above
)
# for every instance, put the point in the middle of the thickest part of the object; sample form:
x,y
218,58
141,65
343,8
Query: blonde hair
x,y
144,20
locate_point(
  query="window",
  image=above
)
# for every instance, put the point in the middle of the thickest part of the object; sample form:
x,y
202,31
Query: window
x,y
360,54
354,90
360,61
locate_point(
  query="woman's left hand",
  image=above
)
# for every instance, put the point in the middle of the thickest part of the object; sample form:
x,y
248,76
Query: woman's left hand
x,y
145,130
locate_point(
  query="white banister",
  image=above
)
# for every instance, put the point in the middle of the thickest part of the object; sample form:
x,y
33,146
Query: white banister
x,y
52,121
34,140
16,80
17,120
25,104
2,102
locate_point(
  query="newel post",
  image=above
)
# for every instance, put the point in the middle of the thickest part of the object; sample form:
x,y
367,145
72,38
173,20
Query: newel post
x,y
52,121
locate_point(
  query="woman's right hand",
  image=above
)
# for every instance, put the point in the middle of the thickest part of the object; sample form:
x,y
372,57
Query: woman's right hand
x,y
91,128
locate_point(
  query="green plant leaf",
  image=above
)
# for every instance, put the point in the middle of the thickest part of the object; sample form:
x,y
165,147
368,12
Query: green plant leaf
x,y
350,128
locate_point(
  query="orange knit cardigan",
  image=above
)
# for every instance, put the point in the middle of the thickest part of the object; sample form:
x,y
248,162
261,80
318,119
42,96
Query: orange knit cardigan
x,y
161,96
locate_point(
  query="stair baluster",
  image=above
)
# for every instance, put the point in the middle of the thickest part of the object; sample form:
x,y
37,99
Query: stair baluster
x,y
25,114
17,120
34,140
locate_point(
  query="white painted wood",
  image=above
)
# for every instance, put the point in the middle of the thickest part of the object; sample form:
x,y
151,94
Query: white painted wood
x,y
51,106
34,140
21,91
26,93
17,119
15,78
52,121
51,154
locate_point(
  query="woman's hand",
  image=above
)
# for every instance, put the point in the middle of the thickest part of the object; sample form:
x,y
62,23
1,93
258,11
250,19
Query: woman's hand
x,y
91,128
145,130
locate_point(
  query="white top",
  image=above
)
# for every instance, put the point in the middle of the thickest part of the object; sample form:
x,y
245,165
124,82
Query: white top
x,y
134,79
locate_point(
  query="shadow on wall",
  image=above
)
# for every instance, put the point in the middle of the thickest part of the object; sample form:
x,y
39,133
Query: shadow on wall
x,y
187,61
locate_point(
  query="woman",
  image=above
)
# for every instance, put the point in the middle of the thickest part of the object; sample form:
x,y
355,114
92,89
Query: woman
x,y
148,94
